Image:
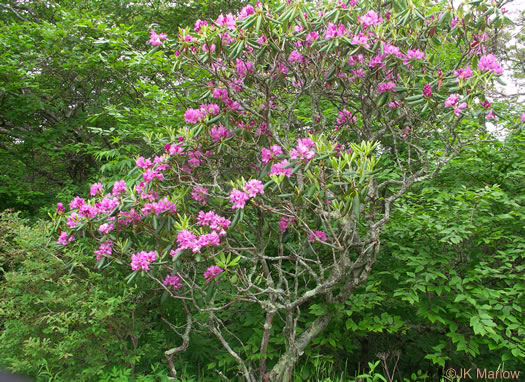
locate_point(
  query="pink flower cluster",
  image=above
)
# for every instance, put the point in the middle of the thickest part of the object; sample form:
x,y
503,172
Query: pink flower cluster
x,y
427,90
198,115
96,188
489,63
105,248
284,223
199,193
452,101
142,260
214,222
371,18
64,239
162,205
386,87
174,281
463,73
316,235
219,132
212,272
269,154
155,39
227,21
187,240
305,149
281,168
251,189
333,31
345,116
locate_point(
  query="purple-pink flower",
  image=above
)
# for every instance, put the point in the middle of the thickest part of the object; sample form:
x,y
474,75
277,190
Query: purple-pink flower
x,y
199,193
155,38
254,187
490,63
174,281
371,18
105,248
463,73
427,90
95,189
119,187
386,87
451,100
60,208
278,169
212,272
284,223
142,260
238,198
316,235
64,239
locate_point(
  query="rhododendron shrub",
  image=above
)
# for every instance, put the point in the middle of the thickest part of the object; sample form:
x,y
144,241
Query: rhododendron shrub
x,y
303,125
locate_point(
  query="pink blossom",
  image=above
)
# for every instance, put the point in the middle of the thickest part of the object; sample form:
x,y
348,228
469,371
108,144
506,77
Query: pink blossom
x,y
96,188
463,73
522,119
345,116
262,40
295,56
219,132
212,272
246,11
376,61
427,90
490,63
107,204
214,221
254,187
151,174
227,21
415,54
174,281
77,202
386,86
64,239
60,208
173,149
155,38
311,37
193,116
206,240
243,67
305,149
394,104
199,194
371,18
88,211
451,100
221,94
491,115
333,31
144,163
453,22
73,220
391,49
142,260
361,39
316,235
284,223
459,108
199,24
486,104
106,228
105,248
278,169
239,198
119,187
